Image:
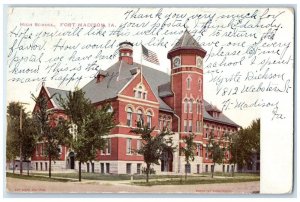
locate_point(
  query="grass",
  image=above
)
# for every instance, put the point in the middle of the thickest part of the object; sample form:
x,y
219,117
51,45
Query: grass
x,y
39,178
106,177
198,180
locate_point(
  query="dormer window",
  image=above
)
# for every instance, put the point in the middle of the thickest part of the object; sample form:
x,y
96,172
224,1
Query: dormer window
x,y
140,92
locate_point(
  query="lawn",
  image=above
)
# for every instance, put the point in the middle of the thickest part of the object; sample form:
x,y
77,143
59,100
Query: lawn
x,y
105,177
40,178
203,178
198,180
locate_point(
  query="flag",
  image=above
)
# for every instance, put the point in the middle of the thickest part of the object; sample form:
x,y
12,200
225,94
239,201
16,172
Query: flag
x,y
149,55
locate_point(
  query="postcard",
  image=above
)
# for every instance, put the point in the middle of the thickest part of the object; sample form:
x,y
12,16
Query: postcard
x,y
149,99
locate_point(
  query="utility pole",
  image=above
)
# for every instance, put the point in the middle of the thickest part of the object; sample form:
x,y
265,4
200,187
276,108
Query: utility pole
x,y
20,134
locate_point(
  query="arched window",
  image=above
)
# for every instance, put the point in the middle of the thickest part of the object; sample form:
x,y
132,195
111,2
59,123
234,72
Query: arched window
x,y
190,106
140,120
185,105
129,116
200,85
110,109
199,107
188,83
149,119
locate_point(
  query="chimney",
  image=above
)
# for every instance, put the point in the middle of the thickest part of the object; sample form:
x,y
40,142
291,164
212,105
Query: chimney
x,y
100,76
125,52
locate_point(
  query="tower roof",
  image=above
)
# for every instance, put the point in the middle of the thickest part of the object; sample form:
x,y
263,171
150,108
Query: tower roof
x,y
186,42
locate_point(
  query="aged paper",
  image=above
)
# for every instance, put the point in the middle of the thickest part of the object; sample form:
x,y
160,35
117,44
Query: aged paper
x,y
248,68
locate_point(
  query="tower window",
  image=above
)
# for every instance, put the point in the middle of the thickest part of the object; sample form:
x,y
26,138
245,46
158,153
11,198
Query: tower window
x,y
190,125
185,126
188,83
185,106
200,84
190,106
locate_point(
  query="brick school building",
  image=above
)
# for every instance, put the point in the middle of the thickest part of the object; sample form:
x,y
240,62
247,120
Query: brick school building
x,y
175,101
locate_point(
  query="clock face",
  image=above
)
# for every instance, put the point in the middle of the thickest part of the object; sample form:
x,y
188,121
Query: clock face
x,y
176,62
199,62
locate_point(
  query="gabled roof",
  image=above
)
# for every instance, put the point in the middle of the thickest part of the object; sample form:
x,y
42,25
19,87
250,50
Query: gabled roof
x,y
221,119
55,93
118,75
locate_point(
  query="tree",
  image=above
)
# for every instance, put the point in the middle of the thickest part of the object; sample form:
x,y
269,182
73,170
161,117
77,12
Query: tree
x,y
93,125
216,151
51,130
153,145
244,144
249,142
233,149
21,134
188,150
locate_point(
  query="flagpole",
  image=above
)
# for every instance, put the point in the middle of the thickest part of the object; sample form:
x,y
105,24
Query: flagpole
x,y
141,63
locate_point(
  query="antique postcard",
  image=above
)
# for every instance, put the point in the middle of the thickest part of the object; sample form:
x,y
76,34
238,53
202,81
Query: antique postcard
x,y
149,99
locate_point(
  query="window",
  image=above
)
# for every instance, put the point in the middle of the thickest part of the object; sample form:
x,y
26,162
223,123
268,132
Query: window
x,y
199,84
93,167
149,119
140,120
201,150
138,168
212,168
190,125
128,168
108,146
41,165
185,126
197,126
206,152
42,148
227,168
107,168
188,83
139,92
110,109
198,168
206,168
199,107
129,117
188,168
59,149
102,168
37,149
138,144
198,149
128,146
191,106
36,166
160,124
185,106
87,167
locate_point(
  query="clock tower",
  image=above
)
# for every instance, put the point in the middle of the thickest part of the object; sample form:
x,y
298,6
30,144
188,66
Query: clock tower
x,y
187,83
